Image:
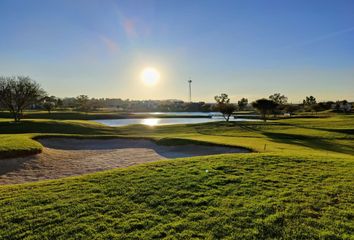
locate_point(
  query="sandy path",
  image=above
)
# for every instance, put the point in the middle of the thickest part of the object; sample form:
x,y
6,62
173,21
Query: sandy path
x,y
64,157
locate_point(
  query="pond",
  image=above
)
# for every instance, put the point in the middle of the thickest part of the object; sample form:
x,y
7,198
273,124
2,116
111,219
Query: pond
x,y
202,114
155,121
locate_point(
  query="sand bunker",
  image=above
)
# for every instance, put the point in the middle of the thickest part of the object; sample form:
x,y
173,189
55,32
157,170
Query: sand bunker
x,y
62,157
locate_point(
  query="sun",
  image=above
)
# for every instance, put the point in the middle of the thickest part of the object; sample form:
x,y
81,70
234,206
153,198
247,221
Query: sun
x,y
150,76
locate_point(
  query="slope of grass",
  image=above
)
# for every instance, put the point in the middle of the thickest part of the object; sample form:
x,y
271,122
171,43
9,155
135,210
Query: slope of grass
x,y
255,196
17,145
298,185
332,135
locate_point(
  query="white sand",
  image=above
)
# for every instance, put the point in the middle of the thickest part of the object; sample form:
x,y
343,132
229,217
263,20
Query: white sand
x,y
64,157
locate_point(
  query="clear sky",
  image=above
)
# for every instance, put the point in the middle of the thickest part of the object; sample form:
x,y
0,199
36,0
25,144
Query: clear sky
x,y
244,48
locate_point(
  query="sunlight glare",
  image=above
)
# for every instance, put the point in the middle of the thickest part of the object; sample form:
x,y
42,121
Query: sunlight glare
x,y
150,76
151,121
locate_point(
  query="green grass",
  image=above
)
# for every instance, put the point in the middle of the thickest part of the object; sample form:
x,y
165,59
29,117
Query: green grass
x,y
248,196
17,145
298,184
65,115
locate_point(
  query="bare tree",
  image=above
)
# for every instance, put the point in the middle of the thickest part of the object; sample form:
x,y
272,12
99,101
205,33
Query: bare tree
x,y
224,106
18,93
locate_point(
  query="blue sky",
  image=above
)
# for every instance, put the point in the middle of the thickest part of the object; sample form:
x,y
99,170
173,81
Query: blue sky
x,y
243,48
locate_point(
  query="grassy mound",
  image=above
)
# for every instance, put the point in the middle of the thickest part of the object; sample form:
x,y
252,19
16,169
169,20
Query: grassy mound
x,y
18,145
300,185
254,196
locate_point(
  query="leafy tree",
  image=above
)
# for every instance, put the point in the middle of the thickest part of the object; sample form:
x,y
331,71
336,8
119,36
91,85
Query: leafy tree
x,y
279,99
223,98
49,103
18,93
242,104
343,106
317,108
95,104
265,106
326,105
309,103
291,108
322,106
224,106
59,103
49,106
82,103
69,102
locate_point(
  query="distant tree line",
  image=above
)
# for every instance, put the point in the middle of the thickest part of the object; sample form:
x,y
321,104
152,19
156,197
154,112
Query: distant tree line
x,y
18,93
277,104
84,103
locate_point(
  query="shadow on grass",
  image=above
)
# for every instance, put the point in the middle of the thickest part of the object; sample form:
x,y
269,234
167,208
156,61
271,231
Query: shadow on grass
x,y
310,142
227,129
51,127
314,142
349,131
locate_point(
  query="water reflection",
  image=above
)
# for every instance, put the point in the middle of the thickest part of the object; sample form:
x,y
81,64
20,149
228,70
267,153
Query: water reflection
x,y
162,121
150,121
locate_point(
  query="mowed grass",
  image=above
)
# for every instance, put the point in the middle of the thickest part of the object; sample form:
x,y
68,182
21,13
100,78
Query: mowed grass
x,y
65,115
298,184
17,145
319,135
255,196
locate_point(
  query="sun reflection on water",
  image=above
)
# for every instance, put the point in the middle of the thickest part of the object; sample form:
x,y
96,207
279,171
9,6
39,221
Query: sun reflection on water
x,y
150,121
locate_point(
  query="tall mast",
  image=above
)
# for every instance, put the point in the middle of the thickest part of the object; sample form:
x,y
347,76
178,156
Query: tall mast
x,y
190,89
